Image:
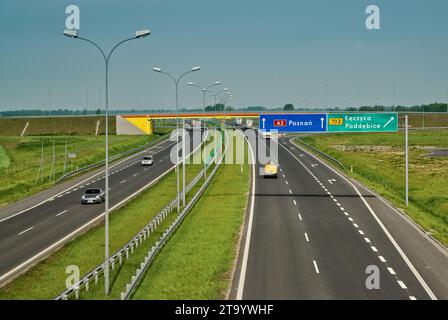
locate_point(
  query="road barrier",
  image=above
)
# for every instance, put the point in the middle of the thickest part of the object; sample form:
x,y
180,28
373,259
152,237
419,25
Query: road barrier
x,y
125,251
128,248
339,163
140,272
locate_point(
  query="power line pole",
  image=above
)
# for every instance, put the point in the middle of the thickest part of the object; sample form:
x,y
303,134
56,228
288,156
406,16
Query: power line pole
x,y
326,95
393,102
49,102
406,152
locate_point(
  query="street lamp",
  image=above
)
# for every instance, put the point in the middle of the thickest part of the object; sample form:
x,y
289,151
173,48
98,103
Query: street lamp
x,y
204,90
176,82
204,93
138,34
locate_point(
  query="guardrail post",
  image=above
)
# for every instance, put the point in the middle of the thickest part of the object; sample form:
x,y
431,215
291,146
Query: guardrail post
x,y
127,253
120,259
113,263
96,278
86,284
77,293
123,295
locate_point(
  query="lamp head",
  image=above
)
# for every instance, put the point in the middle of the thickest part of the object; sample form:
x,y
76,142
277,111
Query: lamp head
x,y
70,33
156,69
197,68
142,33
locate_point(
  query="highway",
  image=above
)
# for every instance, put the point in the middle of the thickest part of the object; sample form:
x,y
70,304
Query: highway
x,y
41,225
311,234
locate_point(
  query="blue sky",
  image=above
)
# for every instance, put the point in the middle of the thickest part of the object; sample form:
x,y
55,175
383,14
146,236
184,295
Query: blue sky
x,y
266,52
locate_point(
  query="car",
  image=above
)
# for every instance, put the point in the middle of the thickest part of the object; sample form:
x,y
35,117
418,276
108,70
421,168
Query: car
x,y
266,134
93,195
270,170
147,161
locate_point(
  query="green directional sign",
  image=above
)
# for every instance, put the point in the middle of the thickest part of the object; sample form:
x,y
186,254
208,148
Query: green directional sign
x,y
362,122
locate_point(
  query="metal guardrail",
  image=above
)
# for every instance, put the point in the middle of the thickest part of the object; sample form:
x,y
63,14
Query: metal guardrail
x,y
113,158
339,163
128,248
140,272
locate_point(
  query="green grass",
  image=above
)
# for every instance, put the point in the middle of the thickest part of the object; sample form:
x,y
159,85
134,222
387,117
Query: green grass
x,y
197,261
19,179
47,279
4,158
78,125
378,161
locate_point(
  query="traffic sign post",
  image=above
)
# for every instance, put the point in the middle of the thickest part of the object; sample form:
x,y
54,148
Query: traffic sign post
x,y
362,122
305,122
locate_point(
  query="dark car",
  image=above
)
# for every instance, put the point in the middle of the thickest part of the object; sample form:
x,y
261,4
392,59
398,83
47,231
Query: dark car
x,y
94,195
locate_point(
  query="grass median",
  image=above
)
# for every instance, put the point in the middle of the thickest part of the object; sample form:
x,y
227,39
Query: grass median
x,y
378,161
197,261
47,279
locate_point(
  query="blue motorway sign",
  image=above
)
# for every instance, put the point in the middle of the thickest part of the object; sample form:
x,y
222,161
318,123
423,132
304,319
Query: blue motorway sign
x,y
305,122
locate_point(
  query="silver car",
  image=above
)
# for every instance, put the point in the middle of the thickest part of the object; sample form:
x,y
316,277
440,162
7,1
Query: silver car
x,y
147,161
94,195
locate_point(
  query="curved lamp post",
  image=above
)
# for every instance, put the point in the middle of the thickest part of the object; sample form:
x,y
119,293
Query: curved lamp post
x,y
204,90
138,34
176,82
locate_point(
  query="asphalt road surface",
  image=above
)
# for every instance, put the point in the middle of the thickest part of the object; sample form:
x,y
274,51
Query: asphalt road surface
x,y
44,224
311,235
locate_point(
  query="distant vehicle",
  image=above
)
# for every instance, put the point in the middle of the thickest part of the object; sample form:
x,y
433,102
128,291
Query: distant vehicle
x,y
270,170
197,125
94,195
266,134
147,161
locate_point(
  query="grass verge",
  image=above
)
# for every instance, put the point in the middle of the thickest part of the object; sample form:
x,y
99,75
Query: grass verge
x,y
378,162
197,261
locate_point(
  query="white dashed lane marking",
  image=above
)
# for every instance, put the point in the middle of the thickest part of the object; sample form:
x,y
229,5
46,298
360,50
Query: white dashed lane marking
x,y
20,233
61,213
316,268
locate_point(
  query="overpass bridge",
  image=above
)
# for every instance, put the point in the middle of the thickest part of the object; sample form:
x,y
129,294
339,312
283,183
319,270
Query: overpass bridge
x,y
144,123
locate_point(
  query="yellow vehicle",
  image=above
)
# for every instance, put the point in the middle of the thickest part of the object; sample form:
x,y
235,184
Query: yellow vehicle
x,y
270,170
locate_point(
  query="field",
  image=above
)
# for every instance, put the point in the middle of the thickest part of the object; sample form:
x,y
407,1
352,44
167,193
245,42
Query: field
x,y
29,172
55,126
378,161
4,158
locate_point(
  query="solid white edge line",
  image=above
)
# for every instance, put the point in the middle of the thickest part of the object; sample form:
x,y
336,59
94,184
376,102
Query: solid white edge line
x,y
81,182
242,279
86,225
391,238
